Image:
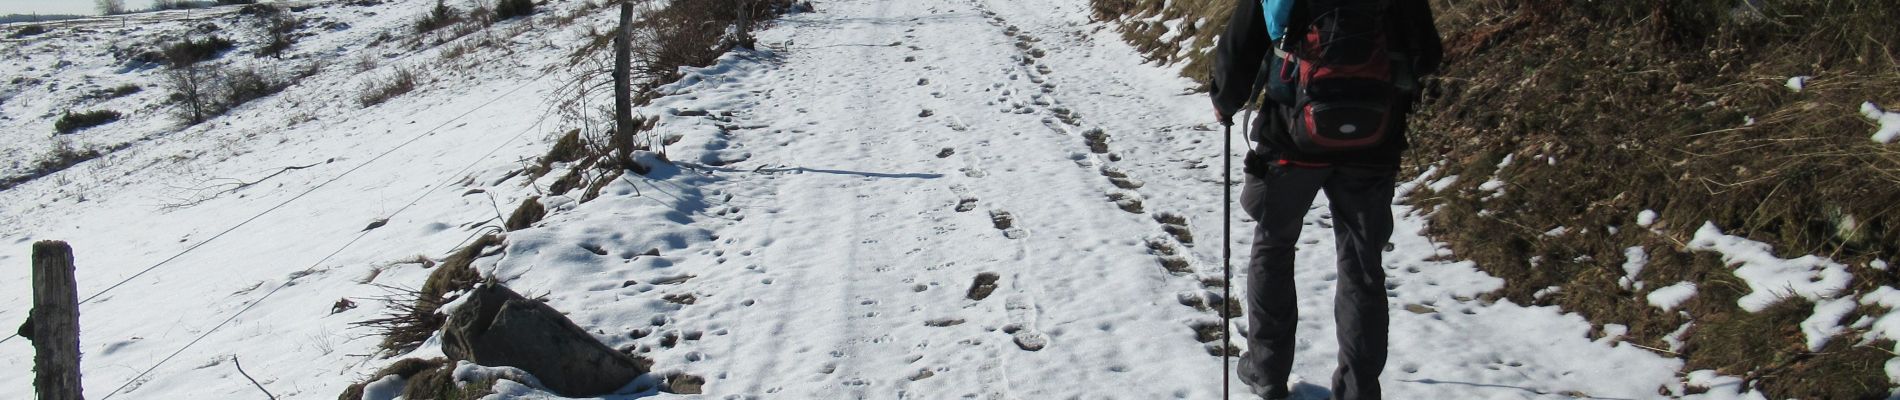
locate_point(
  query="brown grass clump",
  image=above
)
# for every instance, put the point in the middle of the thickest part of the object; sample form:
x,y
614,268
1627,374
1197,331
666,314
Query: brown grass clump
x,y
530,212
426,379
380,89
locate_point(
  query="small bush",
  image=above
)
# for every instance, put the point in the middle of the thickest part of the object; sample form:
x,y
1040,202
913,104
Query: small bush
x,y
188,52
243,85
163,5
71,122
28,30
440,16
380,90
235,2
514,8
260,10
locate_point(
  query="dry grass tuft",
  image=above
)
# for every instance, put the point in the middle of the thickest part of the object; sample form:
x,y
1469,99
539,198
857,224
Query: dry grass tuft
x,y
413,318
529,212
381,89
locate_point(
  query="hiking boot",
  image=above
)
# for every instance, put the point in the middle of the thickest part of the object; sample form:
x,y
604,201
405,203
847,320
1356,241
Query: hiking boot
x,y
1266,391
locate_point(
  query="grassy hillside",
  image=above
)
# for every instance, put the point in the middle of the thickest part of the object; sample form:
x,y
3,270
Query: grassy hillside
x,y
1169,32
1610,108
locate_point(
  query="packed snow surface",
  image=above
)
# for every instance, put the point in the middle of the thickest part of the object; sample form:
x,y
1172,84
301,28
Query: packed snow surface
x,y
832,198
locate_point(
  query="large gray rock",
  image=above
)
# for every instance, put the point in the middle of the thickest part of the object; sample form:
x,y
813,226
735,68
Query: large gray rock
x,y
497,327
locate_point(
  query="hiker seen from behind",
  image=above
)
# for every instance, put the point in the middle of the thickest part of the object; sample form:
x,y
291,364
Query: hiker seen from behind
x,y
1335,80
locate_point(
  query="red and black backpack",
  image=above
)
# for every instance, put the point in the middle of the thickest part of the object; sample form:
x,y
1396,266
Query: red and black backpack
x,y
1336,73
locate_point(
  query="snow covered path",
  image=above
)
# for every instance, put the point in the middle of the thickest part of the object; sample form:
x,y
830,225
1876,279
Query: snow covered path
x,y
888,141
837,198
853,223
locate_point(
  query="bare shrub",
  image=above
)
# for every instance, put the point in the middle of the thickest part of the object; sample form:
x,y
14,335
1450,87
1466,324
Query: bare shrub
x,y
205,92
695,33
279,28
110,7
191,88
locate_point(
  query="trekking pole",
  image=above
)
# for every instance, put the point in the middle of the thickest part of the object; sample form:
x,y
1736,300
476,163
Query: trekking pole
x,y
1226,258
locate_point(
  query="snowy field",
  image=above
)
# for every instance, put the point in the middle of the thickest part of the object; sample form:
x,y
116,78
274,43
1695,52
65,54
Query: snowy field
x,y
836,194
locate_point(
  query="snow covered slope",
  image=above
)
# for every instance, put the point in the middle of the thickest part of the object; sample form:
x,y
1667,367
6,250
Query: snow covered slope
x,y
837,195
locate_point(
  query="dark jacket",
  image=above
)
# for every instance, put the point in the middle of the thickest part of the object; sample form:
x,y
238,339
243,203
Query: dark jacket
x,y
1245,48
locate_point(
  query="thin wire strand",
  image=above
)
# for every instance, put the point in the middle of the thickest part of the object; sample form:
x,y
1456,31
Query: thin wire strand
x,y
267,211
346,245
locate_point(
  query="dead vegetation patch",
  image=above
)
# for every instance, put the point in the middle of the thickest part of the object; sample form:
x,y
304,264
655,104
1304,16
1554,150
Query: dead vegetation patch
x,y
1607,109
1144,24
529,212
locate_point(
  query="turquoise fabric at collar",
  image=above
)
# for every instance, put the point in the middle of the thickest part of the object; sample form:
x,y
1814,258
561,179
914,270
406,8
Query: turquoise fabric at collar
x,y
1277,12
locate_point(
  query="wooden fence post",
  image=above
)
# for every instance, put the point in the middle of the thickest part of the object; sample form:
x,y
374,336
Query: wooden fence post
x,y
55,322
623,88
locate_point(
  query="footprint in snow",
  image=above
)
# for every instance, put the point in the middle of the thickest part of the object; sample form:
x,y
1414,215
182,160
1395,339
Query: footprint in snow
x,y
1022,326
966,204
1175,225
1006,223
1126,202
982,286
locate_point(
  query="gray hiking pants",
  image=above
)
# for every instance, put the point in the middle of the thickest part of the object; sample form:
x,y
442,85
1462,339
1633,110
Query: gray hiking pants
x,y
1361,201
